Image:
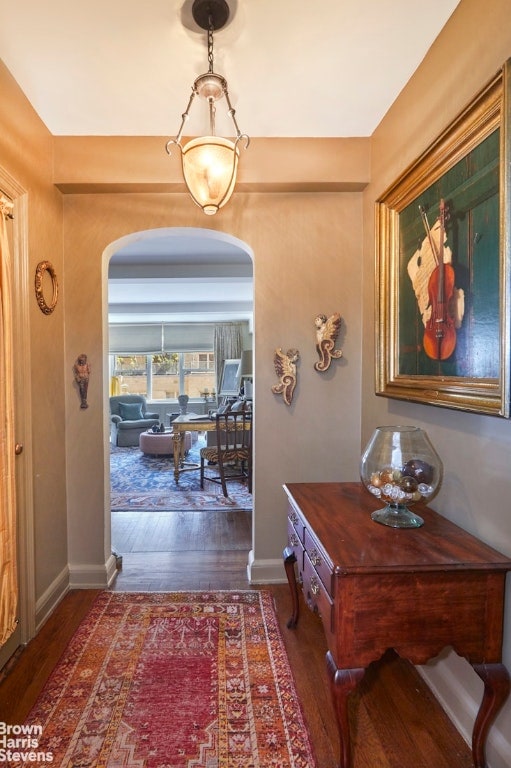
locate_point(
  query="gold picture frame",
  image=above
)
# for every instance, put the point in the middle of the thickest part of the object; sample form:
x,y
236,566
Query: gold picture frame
x,y
443,266
46,306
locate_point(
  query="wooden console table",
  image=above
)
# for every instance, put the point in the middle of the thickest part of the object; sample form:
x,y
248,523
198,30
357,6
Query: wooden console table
x,y
414,590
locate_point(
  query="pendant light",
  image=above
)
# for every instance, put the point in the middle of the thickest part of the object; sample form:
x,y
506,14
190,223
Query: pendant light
x,y
210,163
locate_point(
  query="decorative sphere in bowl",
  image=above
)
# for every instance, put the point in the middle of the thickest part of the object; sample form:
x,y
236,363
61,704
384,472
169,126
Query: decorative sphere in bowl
x,y
400,467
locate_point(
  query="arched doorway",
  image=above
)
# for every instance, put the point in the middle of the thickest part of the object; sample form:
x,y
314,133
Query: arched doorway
x,y
178,276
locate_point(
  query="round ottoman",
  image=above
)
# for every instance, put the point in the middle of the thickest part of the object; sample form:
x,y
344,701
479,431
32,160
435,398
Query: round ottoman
x,y
161,443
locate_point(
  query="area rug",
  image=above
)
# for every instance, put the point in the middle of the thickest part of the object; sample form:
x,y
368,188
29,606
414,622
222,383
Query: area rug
x,y
139,482
173,680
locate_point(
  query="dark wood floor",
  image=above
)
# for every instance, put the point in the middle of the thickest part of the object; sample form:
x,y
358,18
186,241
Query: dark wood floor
x,y
182,550
396,722
181,531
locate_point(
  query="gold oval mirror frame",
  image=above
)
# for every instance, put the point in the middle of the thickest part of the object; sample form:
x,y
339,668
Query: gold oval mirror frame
x,y
41,269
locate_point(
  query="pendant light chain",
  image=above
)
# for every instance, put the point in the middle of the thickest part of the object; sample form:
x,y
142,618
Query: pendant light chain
x,y
210,44
212,108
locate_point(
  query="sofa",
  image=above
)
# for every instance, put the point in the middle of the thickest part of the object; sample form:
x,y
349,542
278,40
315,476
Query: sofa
x,y
129,417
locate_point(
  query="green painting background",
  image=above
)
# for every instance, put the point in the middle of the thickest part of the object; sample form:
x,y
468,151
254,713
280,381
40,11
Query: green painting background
x,y
470,190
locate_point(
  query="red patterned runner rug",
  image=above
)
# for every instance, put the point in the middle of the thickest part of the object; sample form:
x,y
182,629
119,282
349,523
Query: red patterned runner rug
x,y
173,680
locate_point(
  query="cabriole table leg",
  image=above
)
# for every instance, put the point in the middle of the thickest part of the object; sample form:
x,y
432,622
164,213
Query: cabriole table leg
x,y
289,565
342,682
497,685
178,450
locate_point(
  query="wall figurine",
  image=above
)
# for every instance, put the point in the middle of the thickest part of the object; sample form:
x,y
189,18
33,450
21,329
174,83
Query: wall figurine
x,y
327,330
81,370
285,368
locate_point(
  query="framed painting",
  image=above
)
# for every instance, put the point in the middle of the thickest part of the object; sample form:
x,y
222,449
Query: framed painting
x,y
443,266
230,382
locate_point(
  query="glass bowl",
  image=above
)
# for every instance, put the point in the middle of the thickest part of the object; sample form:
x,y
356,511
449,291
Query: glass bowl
x,y
400,467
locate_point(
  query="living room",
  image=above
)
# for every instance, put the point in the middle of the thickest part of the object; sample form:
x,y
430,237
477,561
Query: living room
x,y
178,299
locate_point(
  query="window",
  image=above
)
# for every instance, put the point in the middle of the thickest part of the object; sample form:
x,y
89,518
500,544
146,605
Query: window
x,y
166,375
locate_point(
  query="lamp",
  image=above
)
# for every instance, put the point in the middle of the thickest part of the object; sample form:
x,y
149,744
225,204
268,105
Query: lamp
x,y
246,364
246,374
210,162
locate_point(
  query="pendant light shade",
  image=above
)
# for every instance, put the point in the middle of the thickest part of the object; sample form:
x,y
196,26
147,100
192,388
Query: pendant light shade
x,y
210,163
209,169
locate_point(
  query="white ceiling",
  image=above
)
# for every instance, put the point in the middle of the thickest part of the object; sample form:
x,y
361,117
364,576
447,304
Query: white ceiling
x,y
294,67
181,274
123,67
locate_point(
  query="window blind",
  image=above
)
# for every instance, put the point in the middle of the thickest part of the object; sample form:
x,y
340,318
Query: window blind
x,y
152,338
188,337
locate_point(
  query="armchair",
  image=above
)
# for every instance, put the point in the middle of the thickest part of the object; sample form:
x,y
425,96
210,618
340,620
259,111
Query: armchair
x,y
129,417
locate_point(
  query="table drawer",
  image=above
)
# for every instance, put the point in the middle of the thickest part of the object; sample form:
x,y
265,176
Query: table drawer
x,y
319,561
296,545
316,594
295,520
293,536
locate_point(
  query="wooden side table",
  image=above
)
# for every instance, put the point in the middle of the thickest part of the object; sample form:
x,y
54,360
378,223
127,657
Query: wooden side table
x,y
414,590
190,422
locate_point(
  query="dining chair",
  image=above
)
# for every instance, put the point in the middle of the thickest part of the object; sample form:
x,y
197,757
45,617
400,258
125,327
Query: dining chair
x,y
231,457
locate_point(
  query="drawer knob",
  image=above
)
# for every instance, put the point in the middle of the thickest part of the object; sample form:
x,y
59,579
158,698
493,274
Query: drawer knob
x,y
314,585
315,557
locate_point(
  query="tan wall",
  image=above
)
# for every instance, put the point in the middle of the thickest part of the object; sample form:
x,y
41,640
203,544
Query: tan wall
x,y
475,449
26,156
307,257
307,249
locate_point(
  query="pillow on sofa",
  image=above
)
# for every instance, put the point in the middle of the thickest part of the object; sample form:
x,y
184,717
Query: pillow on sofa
x,y
131,411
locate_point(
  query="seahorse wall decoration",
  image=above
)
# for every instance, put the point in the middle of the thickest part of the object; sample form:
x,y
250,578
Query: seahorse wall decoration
x,y
327,330
285,368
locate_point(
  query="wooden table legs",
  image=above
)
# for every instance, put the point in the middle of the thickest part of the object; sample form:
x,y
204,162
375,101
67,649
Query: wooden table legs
x,y
178,444
497,685
342,683
178,450
289,566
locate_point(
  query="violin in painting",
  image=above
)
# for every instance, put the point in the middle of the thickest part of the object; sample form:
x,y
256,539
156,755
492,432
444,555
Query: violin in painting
x,y
440,333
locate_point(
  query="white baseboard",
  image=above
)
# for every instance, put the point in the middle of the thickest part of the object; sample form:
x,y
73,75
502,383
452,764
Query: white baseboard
x,y
49,600
111,569
265,571
92,576
462,710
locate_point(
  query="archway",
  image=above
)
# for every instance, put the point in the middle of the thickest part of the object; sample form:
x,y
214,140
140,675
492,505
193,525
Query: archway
x,y
144,268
